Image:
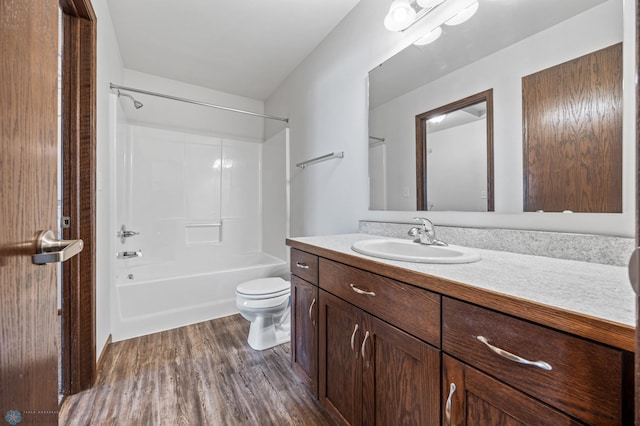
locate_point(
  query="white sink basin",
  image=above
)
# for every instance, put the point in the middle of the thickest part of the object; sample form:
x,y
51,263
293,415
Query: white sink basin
x,y
409,251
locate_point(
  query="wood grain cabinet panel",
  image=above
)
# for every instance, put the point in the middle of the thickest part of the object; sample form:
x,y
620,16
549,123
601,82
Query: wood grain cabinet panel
x,y
412,309
583,378
472,398
373,373
304,265
400,378
341,328
304,335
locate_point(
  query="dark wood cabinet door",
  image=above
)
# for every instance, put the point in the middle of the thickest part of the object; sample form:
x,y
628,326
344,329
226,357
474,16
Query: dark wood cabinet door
x,y
401,377
304,326
472,398
341,335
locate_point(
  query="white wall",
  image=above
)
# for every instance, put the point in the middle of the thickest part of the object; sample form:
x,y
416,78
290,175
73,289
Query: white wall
x,y
109,68
326,101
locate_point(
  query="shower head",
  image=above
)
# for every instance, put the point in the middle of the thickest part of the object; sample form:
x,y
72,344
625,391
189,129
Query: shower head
x,y
136,103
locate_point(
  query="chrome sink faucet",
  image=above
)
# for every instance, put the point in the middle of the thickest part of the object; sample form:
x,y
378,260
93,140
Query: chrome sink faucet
x,y
426,233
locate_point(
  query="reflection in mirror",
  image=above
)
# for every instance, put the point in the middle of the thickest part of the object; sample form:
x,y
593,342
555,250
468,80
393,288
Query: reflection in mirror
x,y
573,135
454,156
505,41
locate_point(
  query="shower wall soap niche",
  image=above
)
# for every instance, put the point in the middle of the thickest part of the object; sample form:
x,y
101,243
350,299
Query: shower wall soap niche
x,y
203,233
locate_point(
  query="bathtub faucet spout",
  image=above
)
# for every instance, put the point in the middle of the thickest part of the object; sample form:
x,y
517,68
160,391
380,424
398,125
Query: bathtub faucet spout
x,y
129,254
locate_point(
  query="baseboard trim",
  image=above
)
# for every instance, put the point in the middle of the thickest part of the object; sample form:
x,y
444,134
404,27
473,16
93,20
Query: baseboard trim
x,y
103,354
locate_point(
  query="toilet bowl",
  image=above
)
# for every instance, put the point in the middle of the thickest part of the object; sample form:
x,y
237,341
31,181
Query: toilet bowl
x,y
265,302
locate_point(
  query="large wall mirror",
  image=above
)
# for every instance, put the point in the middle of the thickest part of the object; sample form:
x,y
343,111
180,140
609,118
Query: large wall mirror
x,y
504,42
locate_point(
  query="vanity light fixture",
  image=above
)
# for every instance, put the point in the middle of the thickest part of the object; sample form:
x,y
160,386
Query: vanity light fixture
x,y
403,14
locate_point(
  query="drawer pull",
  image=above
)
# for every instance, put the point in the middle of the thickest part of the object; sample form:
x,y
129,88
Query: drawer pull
x,y
353,337
313,302
447,409
515,358
302,265
364,343
360,291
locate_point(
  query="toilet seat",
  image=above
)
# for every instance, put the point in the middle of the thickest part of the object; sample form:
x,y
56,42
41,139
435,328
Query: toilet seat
x,y
263,288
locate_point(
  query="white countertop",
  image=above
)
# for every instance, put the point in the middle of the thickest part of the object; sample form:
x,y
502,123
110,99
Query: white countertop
x,y
600,291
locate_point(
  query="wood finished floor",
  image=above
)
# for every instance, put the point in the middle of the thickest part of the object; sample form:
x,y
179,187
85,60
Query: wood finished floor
x,y
202,374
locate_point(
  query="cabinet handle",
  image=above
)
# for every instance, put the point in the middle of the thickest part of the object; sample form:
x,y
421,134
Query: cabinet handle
x,y
313,302
515,358
447,408
302,265
360,291
353,338
364,342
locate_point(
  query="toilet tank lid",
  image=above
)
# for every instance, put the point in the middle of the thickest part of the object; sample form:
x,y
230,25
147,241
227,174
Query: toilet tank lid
x,y
263,286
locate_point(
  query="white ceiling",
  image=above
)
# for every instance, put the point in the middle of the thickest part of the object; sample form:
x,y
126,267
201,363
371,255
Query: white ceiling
x,y
245,47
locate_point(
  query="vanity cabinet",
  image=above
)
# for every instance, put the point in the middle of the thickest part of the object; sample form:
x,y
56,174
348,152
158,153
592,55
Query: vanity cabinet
x,y
304,318
414,349
372,372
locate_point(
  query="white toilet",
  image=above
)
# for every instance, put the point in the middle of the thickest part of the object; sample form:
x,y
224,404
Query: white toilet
x,y
266,303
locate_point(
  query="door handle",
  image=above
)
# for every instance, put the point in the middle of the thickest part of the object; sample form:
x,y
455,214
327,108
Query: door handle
x,y
634,269
50,250
362,350
447,409
313,302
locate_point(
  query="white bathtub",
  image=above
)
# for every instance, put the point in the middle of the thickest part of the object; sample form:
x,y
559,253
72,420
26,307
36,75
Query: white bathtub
x,y
161,296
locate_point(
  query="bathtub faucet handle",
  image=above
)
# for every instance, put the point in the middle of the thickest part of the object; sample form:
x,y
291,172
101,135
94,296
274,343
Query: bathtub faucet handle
x,y
123,233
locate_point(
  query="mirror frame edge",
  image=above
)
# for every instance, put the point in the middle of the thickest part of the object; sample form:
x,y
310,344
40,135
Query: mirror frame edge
x,y
421,142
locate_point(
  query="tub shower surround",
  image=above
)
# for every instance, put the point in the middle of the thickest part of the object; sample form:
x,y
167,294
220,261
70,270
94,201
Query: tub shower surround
x,y
196,202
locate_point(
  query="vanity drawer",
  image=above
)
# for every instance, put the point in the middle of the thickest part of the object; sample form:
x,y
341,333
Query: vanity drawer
x,y
304,265
583,379
409,308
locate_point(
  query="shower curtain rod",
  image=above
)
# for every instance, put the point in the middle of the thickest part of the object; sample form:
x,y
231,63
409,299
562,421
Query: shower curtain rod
x,y
191,101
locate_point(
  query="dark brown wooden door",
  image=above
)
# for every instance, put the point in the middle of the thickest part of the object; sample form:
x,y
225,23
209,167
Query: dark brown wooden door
x,y
304,324
28,122
401,377
572,131
341,326
472,398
